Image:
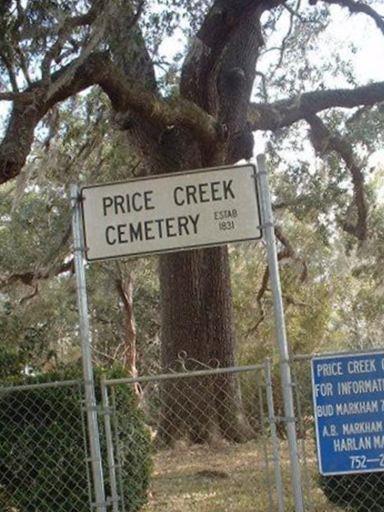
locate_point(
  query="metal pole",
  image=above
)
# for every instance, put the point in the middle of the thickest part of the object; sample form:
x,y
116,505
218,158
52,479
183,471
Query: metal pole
x,y
109,443
85,334
264,438
285,370
275,442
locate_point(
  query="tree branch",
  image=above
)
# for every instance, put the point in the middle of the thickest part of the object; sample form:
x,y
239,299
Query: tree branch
x,y
293,13
324,141
124,95
287,252
29,31
219,71
31,295
200,65
12,96
11,72
30,278
271,116
360,8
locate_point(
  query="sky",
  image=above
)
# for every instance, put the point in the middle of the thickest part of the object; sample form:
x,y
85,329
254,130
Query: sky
x,y
363,32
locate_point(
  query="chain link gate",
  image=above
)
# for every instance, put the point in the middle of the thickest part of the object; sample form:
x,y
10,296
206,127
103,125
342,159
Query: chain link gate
x,y
45,464
220,408
224,470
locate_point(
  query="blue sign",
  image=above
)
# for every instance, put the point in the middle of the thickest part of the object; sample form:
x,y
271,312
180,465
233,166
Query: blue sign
x,y
348,397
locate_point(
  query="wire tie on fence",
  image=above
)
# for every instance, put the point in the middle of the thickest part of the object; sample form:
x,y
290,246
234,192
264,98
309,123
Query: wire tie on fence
x,y
90,459
107,411
111,500
291,385
285,419
259,173
92,408
267,225
98,504
78,248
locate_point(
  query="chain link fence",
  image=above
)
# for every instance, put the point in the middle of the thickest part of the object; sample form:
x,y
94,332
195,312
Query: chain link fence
x,y
43,454
213,446
197,439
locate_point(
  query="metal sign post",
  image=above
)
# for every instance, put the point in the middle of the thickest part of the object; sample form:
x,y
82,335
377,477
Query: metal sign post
x,y
85,335
275,442
285,370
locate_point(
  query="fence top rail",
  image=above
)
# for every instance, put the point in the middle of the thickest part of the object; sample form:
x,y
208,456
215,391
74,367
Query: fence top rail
x,y
43,385
184,375
307,357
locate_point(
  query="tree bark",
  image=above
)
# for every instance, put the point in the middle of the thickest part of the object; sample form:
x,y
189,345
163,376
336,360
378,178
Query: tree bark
x,y
129,353
197,313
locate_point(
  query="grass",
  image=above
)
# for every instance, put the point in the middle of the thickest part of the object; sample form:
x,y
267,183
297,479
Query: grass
x,y
224,478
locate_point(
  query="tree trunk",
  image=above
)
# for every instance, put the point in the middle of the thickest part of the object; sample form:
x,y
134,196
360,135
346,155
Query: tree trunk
x,y
129,353
197,324
197,316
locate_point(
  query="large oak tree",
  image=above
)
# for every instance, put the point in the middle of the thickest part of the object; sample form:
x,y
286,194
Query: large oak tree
x,y
51,51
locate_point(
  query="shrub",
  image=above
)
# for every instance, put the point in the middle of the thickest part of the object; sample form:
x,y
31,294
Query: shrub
x,y
133,446
42,448
355,492
10,363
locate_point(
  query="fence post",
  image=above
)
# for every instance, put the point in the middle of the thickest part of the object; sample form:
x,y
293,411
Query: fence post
x,y
85,335
263,434
275,442
109,442
285,370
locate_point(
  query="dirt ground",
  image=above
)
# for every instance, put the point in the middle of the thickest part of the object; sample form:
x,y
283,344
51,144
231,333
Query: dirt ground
x,y
226,478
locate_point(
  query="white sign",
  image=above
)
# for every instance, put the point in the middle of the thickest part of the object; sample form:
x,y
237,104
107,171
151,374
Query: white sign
x,y
172,212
